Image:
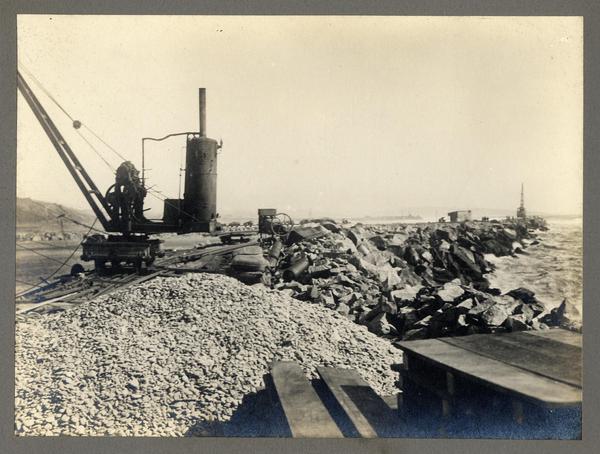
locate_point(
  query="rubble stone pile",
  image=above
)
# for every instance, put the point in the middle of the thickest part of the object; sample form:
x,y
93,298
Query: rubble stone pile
x,y
412,281
172,353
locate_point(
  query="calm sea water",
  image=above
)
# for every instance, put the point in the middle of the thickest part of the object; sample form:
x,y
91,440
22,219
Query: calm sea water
x,y
552,269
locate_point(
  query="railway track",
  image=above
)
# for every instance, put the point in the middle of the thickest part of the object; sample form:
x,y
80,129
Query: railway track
x,y
69,291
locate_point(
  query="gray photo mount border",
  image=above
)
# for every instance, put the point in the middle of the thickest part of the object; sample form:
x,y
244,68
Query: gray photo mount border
x,y
91,445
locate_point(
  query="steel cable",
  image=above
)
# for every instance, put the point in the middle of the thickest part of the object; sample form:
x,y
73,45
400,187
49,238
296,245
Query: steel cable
x,y
38,253
62,264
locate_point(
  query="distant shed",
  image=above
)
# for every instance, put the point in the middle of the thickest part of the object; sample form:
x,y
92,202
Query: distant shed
x,y
460,216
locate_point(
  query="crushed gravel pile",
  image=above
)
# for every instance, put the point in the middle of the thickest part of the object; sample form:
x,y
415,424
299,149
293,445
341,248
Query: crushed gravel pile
x,y
158,358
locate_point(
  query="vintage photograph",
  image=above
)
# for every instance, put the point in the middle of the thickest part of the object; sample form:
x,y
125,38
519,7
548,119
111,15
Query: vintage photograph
x,y
299,226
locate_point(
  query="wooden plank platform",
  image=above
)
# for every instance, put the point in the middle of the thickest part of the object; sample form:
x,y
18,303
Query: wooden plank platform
x,y
368,412
304,411
543,356
560,335
484,360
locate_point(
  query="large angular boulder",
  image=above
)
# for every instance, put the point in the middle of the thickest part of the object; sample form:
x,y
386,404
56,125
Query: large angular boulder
x,y
409,277
300,234
462,322
517,322
397,239
495,315
411,256
444,246
345,246
249,262
427,257
355,236
407,293
448,234
387,306
526,311
567,316
442,274
510,234
523,294
480,307
408,315
465,306
450,291
331,226
388,277
415,334
424,322
495,247
381,326
508,302
343,309
466,258
379,242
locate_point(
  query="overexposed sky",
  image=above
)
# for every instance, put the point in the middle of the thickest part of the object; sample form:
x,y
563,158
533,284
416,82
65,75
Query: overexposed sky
x,y
318,115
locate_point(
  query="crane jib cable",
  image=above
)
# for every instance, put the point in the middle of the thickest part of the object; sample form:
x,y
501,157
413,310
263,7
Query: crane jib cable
x,y
62,264
96,151
82,224
28,283
104,142
38,253
46,246
76,123
41,86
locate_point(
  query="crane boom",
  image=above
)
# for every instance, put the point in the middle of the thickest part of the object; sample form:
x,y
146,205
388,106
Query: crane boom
x,y
87,186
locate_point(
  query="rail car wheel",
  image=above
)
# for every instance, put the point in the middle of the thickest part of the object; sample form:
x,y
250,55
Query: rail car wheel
x,y
76,269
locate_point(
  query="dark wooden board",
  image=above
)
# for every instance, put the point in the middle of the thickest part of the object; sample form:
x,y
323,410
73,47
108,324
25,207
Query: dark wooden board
x,y
304,411
543,356
365,409
495,374
559,335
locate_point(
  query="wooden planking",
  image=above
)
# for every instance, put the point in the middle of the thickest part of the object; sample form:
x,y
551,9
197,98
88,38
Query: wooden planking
x,y
304,411
559,335
365,409
496,374
543,356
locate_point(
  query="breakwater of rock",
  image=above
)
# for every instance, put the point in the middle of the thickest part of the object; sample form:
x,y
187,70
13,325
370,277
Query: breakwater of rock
x,y
416,281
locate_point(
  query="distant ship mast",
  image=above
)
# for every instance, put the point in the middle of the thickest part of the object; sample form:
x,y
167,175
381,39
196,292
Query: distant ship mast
x,y
521,214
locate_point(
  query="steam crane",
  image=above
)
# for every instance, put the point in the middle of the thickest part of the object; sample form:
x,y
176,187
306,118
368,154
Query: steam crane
x,y
120,209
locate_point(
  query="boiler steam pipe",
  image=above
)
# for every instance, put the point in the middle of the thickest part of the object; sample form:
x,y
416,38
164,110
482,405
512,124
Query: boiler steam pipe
x,y
202,111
